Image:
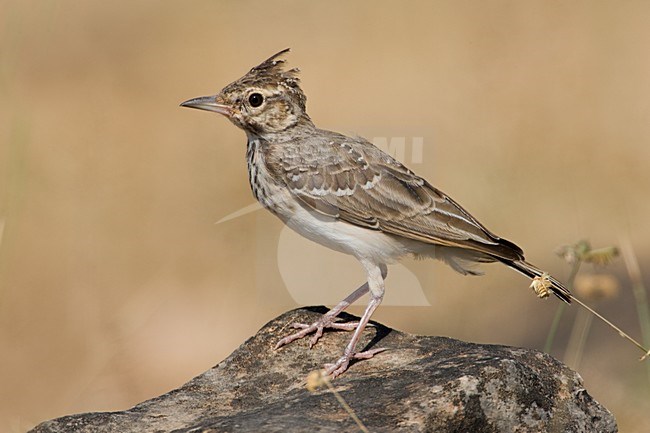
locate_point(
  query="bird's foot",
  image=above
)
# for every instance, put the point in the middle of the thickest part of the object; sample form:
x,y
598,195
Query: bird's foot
x,y
317,328
341,365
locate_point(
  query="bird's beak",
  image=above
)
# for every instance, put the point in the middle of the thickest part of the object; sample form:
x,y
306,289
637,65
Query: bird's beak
x,y
208,103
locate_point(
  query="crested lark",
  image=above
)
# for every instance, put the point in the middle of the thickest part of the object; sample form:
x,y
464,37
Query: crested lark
x,y
348,195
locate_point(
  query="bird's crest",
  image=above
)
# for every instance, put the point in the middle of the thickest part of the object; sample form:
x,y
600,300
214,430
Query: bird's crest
x,y
271,71
273,64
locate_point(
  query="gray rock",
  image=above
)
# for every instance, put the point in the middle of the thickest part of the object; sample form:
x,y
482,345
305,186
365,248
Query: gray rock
x,y
420,384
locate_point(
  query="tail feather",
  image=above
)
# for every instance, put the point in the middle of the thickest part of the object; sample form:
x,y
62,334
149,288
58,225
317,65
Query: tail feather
x,y
531,271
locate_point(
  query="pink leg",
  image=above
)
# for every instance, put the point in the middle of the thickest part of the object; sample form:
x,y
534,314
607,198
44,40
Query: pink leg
x,y
349,354
327,321
376,274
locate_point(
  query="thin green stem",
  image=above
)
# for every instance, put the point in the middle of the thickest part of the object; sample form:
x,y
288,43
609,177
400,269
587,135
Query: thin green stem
x,y
639,291
559,312
560,309
576,346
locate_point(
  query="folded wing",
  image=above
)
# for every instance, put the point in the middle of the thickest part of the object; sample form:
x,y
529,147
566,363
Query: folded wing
x,y
352,180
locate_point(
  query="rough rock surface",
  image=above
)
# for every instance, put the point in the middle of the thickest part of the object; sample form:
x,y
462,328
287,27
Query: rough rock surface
x,y
427,384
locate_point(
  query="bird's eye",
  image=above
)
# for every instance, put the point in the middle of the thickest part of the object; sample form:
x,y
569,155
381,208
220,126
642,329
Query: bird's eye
x,y
255,99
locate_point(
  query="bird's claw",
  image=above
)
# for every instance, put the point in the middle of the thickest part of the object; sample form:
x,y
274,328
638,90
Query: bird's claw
x,y
341,365
317,328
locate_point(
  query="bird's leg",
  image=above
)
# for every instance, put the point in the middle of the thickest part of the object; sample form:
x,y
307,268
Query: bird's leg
x,y
349,354
326,321
376,275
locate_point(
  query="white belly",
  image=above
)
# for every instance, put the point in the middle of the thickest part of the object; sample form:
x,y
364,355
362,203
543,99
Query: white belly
x,y
360,242
340,236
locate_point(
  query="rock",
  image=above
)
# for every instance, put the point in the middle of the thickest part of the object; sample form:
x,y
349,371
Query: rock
x,y
428,384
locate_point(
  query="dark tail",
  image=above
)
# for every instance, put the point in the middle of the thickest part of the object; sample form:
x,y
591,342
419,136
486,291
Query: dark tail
x,y
531,271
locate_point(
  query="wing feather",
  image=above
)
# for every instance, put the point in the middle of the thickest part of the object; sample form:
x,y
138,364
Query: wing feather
x,y
354,181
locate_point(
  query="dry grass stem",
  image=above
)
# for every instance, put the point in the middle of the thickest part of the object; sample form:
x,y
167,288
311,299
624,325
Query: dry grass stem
x,y
611,325
638,289
317,379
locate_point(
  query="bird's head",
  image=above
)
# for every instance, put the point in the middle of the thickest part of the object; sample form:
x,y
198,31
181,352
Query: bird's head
x,y
267,100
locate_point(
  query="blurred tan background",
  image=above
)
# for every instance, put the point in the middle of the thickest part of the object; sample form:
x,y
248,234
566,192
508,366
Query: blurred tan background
x,y
115,283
